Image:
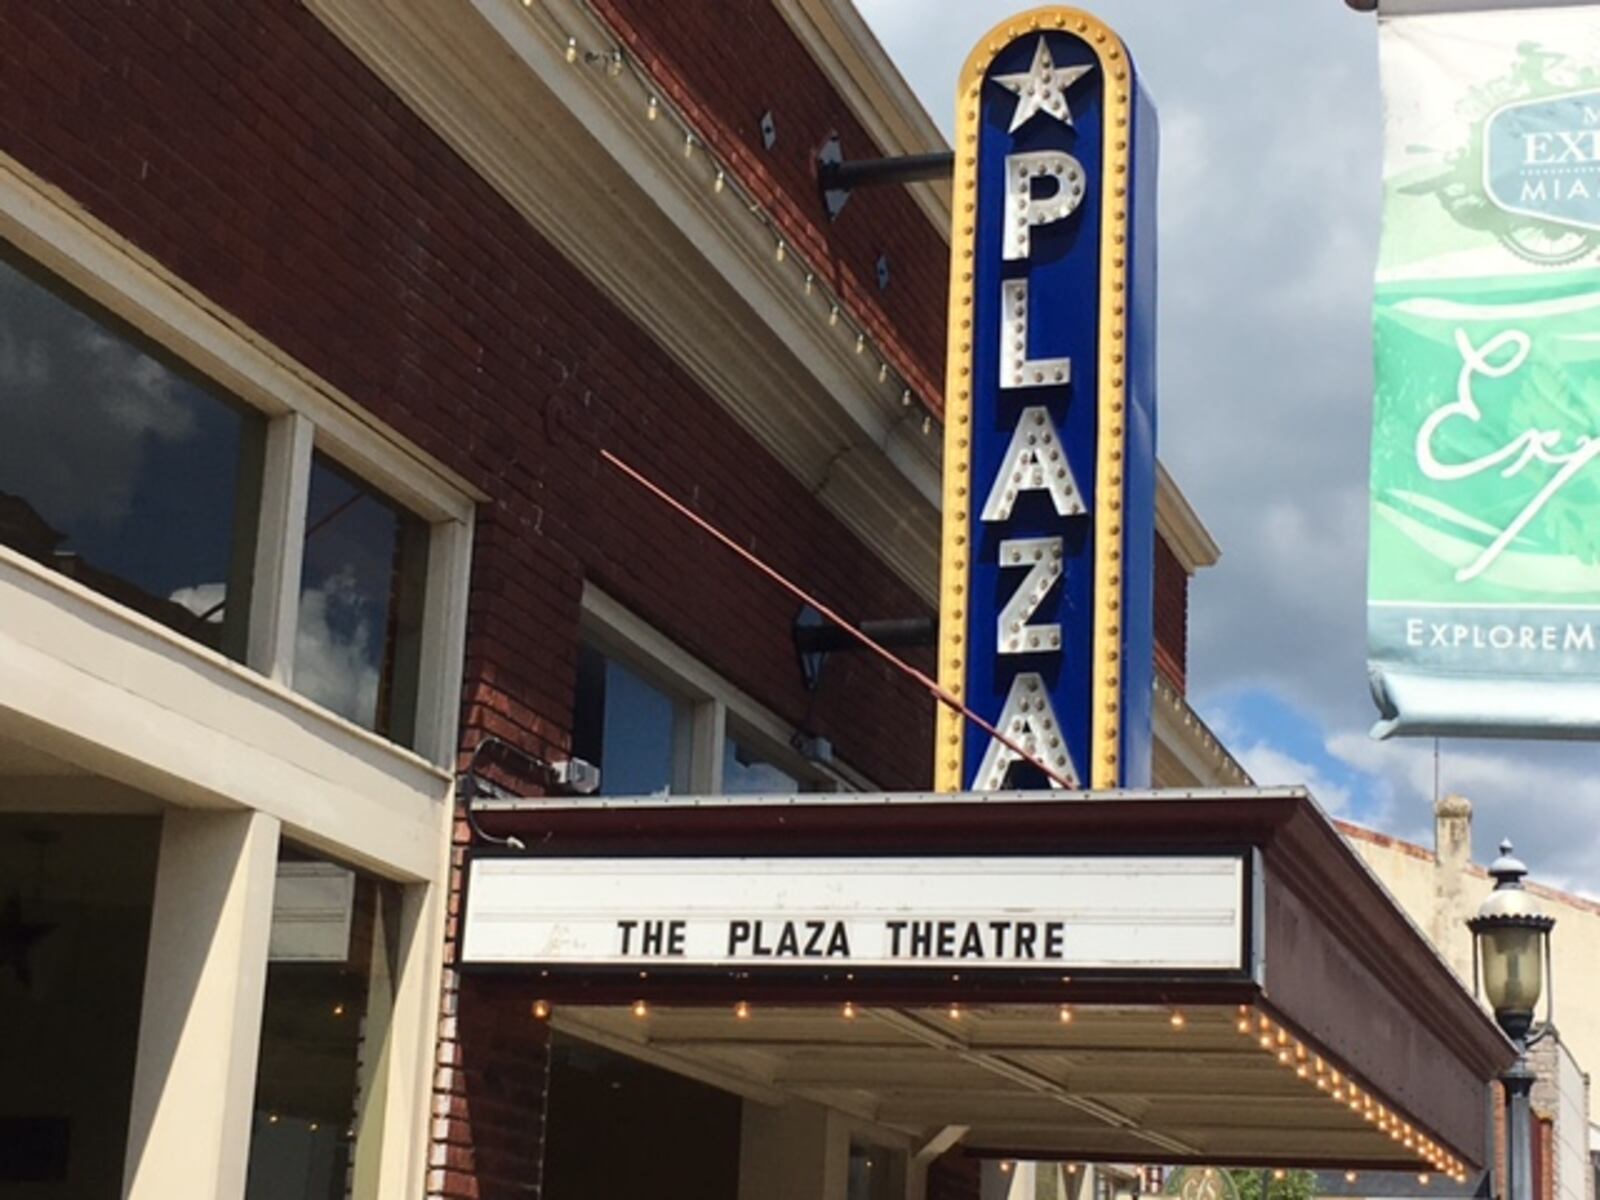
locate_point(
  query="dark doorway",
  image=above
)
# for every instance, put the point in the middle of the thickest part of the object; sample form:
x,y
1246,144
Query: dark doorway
x,y
618,1127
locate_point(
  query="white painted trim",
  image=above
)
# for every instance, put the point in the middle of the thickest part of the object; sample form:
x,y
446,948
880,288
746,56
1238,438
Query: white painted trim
x,y
1180,734
280,544
444,639
123,696
1180,526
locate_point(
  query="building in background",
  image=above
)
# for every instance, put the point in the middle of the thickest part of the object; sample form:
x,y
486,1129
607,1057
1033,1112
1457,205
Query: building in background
x,y
1440,888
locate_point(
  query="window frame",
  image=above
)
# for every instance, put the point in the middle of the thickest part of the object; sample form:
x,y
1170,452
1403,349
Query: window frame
x,y
714,706
302,413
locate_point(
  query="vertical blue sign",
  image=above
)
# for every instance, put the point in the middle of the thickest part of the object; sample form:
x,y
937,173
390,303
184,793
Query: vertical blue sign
x,y
1049,494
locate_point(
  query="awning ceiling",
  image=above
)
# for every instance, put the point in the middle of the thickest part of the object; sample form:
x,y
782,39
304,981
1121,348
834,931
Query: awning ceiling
x,y
1117,1083
1346,1039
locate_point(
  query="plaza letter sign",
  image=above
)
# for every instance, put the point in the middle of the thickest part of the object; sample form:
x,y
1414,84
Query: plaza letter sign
x,y
1484,587
1049,488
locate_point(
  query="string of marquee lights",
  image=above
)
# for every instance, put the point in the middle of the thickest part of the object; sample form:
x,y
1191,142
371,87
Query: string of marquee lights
x,y
614,59
1292,1052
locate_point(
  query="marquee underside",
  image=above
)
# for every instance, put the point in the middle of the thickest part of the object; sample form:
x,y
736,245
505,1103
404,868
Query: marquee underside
x,y
1115,1083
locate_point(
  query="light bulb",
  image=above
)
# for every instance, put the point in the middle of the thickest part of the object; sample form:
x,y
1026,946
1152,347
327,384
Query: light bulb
x,y
641,1009
541,1009
742,1010
653,110
716,184
1177,1020
1066,1014
572,49
849,1011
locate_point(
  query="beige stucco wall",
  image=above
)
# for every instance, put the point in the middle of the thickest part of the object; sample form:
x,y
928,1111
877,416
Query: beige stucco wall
x,y
1439,893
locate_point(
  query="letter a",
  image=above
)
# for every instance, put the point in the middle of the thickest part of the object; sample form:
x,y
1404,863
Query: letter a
x,y
1028,720
1034,461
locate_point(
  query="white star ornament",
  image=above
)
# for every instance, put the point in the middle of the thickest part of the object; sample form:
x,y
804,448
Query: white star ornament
x,y
1041,88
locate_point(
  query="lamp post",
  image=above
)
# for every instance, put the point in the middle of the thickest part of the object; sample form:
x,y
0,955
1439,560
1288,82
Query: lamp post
x,y
1511,952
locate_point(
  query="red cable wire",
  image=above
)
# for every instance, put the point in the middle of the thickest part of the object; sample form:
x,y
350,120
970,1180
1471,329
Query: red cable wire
x,y
933,688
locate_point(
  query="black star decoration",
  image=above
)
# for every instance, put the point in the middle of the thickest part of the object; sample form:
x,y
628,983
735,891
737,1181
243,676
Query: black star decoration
x,y
17,938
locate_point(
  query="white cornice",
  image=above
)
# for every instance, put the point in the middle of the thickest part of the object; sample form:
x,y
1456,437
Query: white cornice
x,y
855,62
1180,526
1187,753
569,145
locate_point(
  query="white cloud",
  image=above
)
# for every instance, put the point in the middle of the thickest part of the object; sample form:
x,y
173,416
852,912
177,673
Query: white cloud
x,y
332,661
1271,767
203,599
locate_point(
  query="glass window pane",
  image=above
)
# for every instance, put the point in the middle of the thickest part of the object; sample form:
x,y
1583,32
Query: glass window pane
x,y
625,725
361,596
747,771
330,988
120,468
872,1173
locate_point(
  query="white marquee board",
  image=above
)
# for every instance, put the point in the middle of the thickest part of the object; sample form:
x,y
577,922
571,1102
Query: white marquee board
x,y
1168,913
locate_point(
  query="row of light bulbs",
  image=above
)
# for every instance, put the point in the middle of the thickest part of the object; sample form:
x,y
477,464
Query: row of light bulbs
x,y
1289,1051
613,61
1293,1054
849,1011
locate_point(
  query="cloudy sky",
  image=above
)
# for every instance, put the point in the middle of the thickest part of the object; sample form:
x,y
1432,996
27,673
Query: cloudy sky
x,y
1271,130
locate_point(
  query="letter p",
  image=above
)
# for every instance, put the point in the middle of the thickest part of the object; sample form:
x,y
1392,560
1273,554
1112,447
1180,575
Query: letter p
x,y
1024,210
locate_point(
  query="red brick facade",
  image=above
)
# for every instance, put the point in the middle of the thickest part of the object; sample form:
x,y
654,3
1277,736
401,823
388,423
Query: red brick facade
x,y
247,150
1171,617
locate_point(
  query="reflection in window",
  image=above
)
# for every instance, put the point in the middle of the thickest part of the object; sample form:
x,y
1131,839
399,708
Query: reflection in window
x,y
747,771
330,990
118,467
630,728
361,591
872,1174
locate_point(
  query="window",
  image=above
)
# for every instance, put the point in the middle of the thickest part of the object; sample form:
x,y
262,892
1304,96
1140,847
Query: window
x,y
120,468
635,732
128,471
873,1173
658,722
750,768
330,978
362,580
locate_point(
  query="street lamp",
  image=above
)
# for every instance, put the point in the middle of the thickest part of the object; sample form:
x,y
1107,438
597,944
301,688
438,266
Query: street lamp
x,y
1511,952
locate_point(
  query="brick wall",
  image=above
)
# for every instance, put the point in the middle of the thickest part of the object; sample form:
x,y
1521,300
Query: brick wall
x,y
1171,616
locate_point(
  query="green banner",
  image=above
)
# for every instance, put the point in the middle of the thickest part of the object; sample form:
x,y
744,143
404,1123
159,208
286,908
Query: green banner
x,y
1484,573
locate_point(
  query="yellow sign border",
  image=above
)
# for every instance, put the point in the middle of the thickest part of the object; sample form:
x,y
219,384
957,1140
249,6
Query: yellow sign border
x,y
1105,712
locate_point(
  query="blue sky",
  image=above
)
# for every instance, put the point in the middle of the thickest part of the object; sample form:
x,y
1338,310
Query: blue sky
x,y
1271,153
